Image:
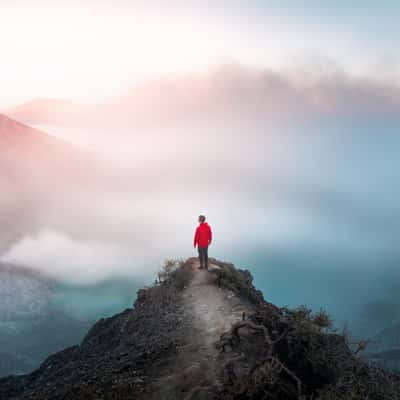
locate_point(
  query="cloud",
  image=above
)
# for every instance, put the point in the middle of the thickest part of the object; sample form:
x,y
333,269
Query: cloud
x,y
79,262
281,157
231,93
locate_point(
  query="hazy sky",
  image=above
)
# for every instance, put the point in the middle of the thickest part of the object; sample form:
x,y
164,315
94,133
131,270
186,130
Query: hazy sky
x,y
89,51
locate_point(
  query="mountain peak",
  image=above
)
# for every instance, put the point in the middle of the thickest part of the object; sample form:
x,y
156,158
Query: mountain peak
x,y
200,334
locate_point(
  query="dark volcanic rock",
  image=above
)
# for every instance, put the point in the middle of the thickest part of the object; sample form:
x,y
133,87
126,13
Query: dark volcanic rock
x,y
112,358
143,353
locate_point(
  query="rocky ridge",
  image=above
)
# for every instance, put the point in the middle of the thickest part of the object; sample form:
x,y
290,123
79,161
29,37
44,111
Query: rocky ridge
x,y
201,334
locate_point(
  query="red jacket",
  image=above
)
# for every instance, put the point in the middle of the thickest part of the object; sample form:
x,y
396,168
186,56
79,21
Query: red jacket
x,y
203,235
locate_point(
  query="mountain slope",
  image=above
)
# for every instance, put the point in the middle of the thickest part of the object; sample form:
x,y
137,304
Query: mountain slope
x,y
37,171
24,149
178,343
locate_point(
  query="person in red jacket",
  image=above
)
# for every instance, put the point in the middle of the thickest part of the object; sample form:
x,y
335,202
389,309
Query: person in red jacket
x,y
202,239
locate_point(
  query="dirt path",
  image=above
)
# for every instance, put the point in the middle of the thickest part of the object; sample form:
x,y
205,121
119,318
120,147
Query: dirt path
x,y
209,311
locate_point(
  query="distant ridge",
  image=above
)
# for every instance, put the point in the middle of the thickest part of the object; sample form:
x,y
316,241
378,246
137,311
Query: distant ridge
x,y
34,151
35,168
13,132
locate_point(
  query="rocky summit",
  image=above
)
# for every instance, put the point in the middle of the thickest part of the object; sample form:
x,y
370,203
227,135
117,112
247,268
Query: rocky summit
x,y
198,334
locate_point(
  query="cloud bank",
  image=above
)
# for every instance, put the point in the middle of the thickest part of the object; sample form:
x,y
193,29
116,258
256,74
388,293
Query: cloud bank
x,y
299,160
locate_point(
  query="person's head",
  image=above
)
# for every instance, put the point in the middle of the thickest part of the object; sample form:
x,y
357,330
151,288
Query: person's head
x,y
202,219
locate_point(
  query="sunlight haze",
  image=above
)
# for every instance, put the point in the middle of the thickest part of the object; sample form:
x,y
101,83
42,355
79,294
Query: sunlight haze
x,y
86,52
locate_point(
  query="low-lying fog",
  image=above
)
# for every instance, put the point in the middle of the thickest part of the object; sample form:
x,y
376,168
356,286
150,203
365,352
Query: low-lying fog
x,y
305,196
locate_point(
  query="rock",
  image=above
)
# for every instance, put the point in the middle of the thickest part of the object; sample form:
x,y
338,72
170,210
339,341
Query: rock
x,y
273,353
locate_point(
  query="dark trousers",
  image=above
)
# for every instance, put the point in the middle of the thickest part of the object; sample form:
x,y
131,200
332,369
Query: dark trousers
x,y
203,256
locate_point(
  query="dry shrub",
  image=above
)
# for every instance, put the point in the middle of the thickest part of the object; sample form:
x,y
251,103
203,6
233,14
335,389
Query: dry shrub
x,y
238,281
177,273
295,355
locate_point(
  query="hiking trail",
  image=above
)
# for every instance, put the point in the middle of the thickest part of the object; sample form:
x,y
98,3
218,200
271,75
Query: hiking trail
x,y
209,311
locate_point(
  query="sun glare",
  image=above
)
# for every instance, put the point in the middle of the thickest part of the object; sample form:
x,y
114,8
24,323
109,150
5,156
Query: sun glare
x,y
74,53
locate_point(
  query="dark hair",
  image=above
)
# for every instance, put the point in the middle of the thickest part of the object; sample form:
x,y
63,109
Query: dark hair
x,y
202,218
